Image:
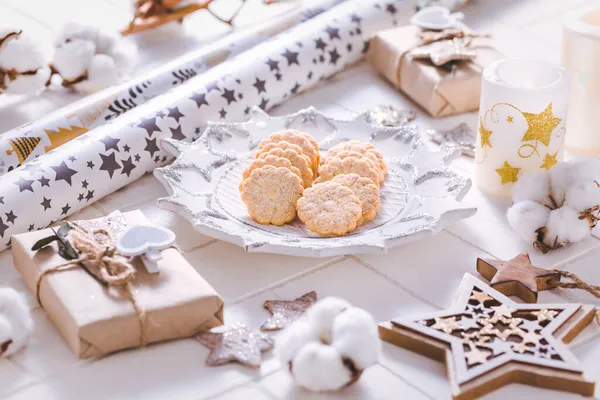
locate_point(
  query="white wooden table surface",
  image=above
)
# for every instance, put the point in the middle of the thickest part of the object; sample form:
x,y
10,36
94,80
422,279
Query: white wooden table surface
x,y
416,278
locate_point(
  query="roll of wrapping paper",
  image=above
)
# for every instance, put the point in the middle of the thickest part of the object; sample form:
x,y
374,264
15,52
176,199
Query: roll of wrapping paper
x,y
25,143
581,58
94,165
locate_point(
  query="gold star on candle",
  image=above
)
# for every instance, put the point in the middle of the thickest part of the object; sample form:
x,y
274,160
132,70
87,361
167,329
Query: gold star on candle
x,y
550,161
485,135
508,173
540,125
509,119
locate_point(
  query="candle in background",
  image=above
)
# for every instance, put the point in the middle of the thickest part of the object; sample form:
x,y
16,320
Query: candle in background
x,y
522,117
581,58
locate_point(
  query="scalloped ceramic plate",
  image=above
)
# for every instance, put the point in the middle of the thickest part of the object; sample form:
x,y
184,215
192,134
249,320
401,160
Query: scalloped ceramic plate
x,y
419,197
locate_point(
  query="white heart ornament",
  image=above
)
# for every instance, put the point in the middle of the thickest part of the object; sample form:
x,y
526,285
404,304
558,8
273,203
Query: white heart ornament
x,y
145,241
436,18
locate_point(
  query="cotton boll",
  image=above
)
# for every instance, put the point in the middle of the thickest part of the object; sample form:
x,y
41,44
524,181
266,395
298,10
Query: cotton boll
x,y
534,187
93,57
561,177
72,58
565,227
320,368
356,337
292,339
27,84
587,169
21,53
15,322
321,315
526,217
102,72
583,195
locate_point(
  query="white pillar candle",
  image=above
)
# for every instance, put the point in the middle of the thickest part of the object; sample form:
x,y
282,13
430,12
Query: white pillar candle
x,y
581,58
522,116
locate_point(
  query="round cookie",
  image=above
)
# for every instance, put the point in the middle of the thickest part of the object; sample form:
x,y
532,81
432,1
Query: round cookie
x,y
270,160
360,147
369,157
271,193
299,161
349,165
283,145
366,191
329,209
298,138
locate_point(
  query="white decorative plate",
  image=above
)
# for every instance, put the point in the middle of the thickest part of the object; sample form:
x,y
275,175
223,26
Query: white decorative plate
x,y
419,197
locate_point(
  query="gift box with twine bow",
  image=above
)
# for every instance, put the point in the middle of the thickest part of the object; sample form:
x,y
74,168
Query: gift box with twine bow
x,y
438,70
108,302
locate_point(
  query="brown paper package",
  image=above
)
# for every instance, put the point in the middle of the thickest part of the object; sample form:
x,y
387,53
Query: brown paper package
x,y
439,90
96,321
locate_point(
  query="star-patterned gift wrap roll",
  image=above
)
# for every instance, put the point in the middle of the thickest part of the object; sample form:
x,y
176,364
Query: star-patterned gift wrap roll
x,y
522,117
83,170
25,143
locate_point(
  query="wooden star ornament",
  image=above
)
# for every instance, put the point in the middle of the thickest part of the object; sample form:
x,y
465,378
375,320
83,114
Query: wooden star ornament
x,y
284,312
517,277
444,51
235,344
508,343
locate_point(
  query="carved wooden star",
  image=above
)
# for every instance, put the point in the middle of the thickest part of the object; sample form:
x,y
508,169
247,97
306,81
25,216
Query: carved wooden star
x,y
236,343
517,277
498,352
284,312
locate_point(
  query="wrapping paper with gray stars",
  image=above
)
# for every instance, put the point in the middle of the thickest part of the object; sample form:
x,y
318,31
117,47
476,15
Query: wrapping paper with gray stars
x,y
98,163
23,144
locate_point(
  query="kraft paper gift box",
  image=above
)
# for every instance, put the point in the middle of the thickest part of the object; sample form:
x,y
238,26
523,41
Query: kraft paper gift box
x,y
445,90
95,320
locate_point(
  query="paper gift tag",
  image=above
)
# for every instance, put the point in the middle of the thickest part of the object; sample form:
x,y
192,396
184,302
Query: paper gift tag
x,y
436,18
145,241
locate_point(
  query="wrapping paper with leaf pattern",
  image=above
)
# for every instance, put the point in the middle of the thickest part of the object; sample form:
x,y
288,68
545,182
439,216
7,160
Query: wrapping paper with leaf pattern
x,y
23,144
94,165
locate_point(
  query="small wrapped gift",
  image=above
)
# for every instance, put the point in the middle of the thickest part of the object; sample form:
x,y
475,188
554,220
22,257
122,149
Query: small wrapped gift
x,y
108,302
438,70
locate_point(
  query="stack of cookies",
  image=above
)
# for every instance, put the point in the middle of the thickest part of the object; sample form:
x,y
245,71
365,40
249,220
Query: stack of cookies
x,y
346,192
278,183
285,164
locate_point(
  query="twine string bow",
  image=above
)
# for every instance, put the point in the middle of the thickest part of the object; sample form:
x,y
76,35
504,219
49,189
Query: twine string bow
x,y
578,283
96,249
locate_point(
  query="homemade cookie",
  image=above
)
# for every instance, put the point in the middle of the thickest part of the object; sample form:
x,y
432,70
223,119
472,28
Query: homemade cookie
x,y
270,160
298,160
271,193
369,157
366,191
360,147
283,145
298,138
349,165
329,209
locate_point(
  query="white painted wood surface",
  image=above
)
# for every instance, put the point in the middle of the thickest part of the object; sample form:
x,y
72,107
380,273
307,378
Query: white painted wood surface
x,y
416,278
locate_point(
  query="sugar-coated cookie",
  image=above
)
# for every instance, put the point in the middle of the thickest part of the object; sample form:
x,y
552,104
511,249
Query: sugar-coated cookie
x,y
271,193
299,161
349,165
369,157
298,138
271,160
329,209
366,191
363,148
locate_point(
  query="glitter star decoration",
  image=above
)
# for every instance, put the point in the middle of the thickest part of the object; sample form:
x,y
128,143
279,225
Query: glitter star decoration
x,y
235,344
517,277
514,343
508,174
284,312
549,161
541,126
444,51
484,134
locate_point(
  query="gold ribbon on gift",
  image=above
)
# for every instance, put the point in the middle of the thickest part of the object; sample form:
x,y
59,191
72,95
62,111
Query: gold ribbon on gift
x,y
440,90
99,257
